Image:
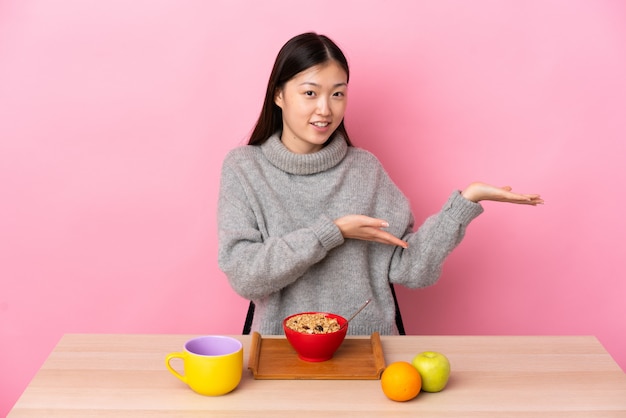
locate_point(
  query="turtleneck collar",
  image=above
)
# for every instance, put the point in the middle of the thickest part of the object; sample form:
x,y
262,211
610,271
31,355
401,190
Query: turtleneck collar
x,y
304,164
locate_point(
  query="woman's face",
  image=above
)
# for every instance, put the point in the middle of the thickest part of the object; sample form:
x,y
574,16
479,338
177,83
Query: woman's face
x,y
313,104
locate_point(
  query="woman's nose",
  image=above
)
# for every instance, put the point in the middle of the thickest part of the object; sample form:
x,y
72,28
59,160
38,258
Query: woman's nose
x,y
323,107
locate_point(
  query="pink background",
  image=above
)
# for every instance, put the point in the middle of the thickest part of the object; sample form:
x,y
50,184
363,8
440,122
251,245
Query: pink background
x,y
115,116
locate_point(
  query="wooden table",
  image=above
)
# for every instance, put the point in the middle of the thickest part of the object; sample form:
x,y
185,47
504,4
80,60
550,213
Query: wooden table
x,y
492,376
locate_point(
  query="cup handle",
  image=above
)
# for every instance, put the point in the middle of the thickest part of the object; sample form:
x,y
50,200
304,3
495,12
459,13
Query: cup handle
x,y
171,369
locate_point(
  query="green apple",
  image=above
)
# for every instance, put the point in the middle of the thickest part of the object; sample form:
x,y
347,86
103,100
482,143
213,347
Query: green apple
x,y
434,368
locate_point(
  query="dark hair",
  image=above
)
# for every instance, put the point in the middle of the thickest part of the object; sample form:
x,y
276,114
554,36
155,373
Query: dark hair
x,y
298,54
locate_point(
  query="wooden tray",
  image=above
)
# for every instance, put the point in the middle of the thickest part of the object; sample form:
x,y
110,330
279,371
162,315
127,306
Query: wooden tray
x,y
356,359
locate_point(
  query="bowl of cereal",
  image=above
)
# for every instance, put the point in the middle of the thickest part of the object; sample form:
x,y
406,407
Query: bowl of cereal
x,y
315,335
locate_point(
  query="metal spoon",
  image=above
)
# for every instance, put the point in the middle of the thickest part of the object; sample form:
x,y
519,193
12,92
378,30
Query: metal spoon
x,y
355,314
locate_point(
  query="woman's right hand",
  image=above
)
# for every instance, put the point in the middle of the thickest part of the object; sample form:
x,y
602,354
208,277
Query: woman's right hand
x,y
367,229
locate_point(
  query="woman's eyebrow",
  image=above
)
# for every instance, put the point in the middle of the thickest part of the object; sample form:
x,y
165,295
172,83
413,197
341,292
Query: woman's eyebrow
x,y
310,83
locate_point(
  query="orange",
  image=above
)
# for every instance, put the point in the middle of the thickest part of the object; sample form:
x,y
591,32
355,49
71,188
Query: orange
x,y
401,381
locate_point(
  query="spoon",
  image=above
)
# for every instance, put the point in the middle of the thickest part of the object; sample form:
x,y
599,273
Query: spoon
x,y
355,314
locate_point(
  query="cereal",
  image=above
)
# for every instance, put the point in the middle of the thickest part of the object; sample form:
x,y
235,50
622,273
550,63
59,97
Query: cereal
x,y
317,323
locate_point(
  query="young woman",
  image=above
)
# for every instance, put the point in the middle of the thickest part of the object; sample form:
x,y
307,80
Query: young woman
x,y
308,222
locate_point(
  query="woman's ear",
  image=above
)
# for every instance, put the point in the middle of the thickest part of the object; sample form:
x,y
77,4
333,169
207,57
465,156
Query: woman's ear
x,y
278,98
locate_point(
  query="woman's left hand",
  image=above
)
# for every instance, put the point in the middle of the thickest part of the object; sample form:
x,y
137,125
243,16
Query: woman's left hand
x,y
481,191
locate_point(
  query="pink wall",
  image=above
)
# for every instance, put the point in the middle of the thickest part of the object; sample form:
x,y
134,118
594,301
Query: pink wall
x,y
115,116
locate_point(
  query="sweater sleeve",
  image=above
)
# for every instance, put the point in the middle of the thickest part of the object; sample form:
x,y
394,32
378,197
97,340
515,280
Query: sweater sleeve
x,y
255,263
420,265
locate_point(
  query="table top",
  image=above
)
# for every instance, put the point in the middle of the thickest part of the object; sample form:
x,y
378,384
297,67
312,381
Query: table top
x,y
94,375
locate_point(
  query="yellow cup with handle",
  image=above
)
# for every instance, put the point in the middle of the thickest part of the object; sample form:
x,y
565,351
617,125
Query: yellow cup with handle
x,y
213,364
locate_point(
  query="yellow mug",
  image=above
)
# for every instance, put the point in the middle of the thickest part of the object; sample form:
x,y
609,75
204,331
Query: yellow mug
x,y
213,364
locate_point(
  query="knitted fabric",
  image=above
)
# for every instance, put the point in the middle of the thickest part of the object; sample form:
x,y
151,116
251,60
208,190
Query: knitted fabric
x,y
279,246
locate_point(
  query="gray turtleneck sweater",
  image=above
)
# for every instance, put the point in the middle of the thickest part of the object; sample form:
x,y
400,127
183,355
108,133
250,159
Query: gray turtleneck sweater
x,y
279,246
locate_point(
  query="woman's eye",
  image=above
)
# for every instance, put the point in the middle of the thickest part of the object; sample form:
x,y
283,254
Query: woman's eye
x,y
339,94
309,93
